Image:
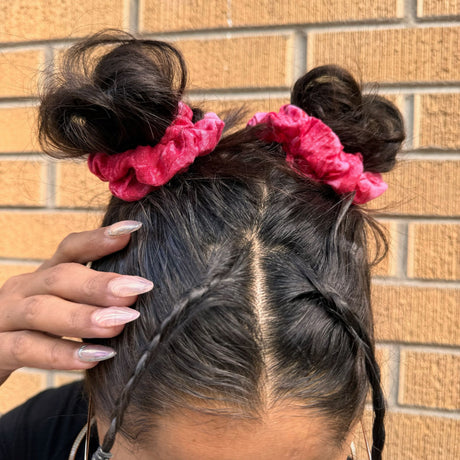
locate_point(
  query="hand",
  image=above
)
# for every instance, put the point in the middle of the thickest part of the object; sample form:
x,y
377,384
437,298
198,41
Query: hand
x,y
64,298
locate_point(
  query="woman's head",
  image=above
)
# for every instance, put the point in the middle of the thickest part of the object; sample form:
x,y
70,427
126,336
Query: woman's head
x,y
261,304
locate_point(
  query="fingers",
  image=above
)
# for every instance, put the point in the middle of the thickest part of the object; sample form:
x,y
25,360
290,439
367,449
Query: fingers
x,y
92,245
63,318
35,349
80,284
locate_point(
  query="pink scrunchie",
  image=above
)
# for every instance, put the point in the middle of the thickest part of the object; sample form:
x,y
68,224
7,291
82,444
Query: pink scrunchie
x,y
135,173
315,150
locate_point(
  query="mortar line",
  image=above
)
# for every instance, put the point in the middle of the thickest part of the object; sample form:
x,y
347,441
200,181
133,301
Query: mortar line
x,y
424,219
408,112
133,26
429,347
431,155
46,210
396,282
50,378
393,370
402,250
425,410
14,261
50,198
229,13
299,64
410,11
422,411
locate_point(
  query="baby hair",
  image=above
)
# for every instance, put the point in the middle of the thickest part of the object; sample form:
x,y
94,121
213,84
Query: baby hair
x,y
262,275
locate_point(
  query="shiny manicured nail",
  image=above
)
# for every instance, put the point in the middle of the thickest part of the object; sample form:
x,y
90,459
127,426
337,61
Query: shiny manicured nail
x,y
126,286
93,353
114,316
123,228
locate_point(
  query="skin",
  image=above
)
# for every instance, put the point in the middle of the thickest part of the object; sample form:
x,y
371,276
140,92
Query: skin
x,y
284,433
60,299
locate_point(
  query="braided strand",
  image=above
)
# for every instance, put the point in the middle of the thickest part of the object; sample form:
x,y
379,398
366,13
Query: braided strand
x,y
341,310
170,326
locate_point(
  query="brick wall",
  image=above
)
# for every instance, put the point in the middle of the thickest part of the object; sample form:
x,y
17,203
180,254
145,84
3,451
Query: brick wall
x,y
251,51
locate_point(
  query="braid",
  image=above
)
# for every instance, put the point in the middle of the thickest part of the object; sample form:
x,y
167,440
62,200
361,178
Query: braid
x,y
340,310
170,326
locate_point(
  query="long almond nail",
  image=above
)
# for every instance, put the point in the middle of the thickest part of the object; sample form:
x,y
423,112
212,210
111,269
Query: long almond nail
x,y
123,228
93,353
126,286
114,316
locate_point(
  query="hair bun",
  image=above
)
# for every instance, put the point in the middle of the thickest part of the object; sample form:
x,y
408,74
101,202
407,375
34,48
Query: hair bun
x,y
368,124
112,93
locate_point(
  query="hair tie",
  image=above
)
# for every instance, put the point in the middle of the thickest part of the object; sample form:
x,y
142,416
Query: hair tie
x,y
313,149
135,173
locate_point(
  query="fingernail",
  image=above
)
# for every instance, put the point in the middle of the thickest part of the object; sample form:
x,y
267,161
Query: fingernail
x,y
93,353
123,228
125,286
114,316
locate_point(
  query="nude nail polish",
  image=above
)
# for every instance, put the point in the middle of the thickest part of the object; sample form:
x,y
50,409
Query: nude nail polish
x,y
114,316
126,286
93,353
123,228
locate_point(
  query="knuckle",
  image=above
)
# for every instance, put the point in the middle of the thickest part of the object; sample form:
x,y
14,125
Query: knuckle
x,y
32,306
75,320
92,285
54,356
20,346
13,284
57,273
53,275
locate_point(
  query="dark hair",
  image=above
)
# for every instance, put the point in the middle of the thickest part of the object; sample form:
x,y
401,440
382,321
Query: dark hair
x,y
262,275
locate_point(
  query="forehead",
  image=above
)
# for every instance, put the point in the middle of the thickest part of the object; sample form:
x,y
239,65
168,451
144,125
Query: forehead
x,y
280,435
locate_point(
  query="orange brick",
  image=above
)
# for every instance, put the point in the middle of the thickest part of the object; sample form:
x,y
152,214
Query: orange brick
x,y
438,7
170,15
23,183
420,188
19,71
433,251
430,379
416,314
275,12
416,437
384,356
437,121
9,270
35,235
387,266
244,62
46,19
19,387
251,105
412,437
166,15
18,129
76,187
391,55
63,378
